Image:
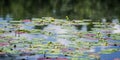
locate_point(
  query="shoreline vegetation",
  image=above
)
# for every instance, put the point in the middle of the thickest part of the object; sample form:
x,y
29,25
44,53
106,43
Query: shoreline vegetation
x,y
75,9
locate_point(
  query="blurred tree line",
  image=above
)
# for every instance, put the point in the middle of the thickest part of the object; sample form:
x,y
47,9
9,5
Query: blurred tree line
x,y
75,9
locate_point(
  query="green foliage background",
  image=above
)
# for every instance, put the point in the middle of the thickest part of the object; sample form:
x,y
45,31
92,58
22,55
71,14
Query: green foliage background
x,y
75,9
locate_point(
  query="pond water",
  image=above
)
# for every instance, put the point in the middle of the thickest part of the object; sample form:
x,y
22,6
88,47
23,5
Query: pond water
x,y
53,40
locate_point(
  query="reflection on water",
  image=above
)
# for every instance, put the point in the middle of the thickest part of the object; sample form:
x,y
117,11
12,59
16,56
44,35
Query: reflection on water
x,y
104,21
84,28
61,31
55,29
116,26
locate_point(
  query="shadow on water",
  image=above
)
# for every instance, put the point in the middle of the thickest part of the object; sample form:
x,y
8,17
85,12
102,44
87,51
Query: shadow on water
x,y
81,27
40,27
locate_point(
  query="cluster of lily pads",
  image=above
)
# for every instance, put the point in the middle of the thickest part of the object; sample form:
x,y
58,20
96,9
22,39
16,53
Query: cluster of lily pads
x,y
47,43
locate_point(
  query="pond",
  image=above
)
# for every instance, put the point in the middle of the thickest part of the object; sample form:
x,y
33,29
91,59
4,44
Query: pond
x,y
58,39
